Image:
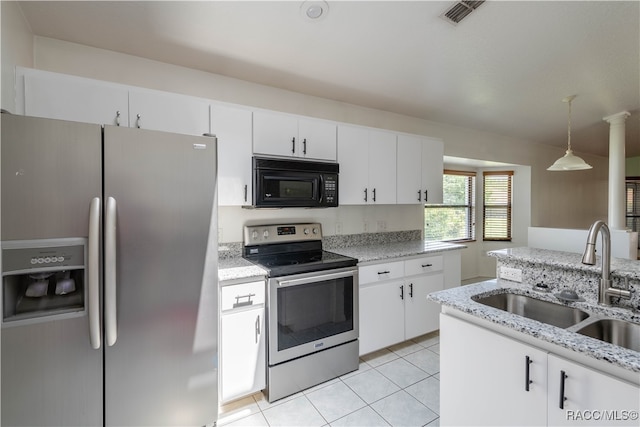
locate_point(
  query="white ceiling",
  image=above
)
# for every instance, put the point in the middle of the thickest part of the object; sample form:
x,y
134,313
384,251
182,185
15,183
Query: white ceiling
x,y
504,69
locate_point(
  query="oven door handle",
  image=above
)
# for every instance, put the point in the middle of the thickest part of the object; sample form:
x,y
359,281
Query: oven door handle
x,y
312,279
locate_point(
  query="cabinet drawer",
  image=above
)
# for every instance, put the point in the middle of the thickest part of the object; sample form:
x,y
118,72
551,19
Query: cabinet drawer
x,y
423,265
242,295
381,272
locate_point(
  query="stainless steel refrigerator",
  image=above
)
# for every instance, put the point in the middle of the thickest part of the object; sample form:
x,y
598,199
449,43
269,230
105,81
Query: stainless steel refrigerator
x,y
109,264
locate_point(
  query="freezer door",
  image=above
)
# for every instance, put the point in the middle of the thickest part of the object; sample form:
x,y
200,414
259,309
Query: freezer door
x,y
161,349
51,170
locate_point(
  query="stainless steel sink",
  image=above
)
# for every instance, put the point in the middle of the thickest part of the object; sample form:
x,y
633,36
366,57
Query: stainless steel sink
x,y
558,315
614,331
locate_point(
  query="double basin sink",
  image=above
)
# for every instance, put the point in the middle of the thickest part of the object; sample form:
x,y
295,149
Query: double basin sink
x,y
618,332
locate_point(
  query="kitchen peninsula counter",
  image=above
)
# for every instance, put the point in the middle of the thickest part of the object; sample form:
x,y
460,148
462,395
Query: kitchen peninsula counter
x,y
461,299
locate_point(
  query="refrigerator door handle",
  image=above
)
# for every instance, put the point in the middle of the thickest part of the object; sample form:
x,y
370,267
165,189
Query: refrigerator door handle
x,y
110,315
93,273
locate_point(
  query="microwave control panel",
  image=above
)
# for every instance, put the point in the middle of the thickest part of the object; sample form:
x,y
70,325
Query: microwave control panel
x,y
331,190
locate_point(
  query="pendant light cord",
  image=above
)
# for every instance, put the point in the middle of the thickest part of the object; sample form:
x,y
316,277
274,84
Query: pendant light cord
x,y
569,128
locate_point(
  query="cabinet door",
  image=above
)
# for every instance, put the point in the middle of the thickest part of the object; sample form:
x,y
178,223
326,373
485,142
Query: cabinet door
x,y
242,353
316,140
432,170
409,165
56,96
168,112
589,397
381,316
232,126
353,156
421,315
382,167
483,378
275,134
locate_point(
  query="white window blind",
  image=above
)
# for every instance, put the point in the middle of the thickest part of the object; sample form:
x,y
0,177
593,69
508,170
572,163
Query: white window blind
x,y
497,205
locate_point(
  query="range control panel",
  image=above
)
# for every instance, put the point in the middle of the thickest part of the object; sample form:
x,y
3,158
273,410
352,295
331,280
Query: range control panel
x,y
281,233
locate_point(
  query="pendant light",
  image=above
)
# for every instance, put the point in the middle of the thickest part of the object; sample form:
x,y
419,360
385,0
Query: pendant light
x,y
569,162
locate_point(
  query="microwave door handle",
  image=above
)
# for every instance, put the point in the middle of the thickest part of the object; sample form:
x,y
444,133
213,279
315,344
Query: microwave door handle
x,y
321,190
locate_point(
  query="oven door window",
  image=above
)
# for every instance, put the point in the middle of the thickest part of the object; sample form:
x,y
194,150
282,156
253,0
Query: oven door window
x,y
314,311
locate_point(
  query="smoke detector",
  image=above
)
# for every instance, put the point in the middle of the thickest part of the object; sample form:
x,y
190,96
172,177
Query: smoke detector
x,y
314,10
460,10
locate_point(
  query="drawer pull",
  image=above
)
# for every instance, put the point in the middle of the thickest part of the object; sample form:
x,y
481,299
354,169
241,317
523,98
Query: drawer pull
x,y
384,272
239,303
427,265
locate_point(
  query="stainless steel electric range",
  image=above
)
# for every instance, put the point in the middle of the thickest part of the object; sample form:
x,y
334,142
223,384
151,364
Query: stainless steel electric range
x,y
312,306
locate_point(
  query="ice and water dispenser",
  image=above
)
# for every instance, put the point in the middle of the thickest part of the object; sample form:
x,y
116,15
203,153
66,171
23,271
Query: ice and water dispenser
x,y
43,280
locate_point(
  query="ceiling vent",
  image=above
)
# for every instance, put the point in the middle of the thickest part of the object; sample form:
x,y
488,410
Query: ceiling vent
x,y
460,10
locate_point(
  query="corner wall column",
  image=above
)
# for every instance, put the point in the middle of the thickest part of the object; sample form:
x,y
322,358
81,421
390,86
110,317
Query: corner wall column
x,y
617,177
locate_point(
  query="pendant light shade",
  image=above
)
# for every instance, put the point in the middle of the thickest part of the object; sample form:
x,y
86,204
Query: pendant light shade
x,y
569,162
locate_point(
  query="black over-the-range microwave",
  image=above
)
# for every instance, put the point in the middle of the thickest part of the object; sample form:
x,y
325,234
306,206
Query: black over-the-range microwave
x,y
280,183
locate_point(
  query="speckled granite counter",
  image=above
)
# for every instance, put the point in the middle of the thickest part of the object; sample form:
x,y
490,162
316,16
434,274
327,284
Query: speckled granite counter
x,y
559,270
237,268
382,250
364,247
460,298
619,267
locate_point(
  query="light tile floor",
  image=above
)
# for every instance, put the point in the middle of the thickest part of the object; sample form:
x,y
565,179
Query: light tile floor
x,y
397,386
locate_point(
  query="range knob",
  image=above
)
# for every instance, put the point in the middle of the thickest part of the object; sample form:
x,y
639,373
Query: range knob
x,y
254,235
306,231
265,234
315,231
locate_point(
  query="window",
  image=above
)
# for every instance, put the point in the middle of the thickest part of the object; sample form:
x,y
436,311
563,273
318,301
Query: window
x,y
455,218
497,206
633,204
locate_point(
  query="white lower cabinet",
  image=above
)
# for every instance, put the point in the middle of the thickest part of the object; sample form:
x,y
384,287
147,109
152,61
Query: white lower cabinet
x,y
393,301
589,397
381,315
242,343
484,378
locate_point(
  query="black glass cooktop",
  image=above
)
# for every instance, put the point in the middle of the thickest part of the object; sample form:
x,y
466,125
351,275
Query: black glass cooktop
x,y
288,259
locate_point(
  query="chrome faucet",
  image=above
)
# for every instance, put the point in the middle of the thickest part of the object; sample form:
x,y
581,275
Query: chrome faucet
x,y
606,291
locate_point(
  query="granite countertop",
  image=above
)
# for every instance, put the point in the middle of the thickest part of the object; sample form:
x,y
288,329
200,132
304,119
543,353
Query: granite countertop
x,y
624,268
233,268
382,251
460,298
364,247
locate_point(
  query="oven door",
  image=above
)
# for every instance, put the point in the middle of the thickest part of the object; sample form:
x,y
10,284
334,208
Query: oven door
x,y
311,312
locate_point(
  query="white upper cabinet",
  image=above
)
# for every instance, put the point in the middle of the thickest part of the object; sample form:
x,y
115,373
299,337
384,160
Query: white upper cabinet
x,y
58,96
420,170
367,166
168,112
232,126
64,97
432,169
279,134
409,164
